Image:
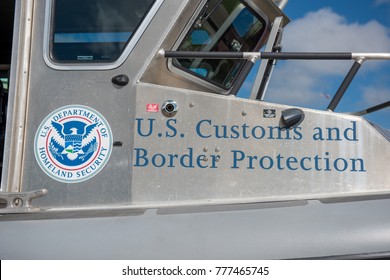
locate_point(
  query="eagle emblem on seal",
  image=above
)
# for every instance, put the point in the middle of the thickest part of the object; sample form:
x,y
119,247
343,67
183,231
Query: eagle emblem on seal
x,y
73,142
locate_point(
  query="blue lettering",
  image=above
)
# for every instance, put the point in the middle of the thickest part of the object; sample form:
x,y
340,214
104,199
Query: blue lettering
x,y
149,129
337,165
186,159
318,136
235,134
349,131
336,136
303,166
361,162
201,160
270,163
327,165
298,134
244,131
291,160
279,159
140,157
251,159
220,131
237,156
279,130
199,132
172,129
261,134
155,160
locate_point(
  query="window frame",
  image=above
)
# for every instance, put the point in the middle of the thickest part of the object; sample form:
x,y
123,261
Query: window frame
x,y
130,44
204,81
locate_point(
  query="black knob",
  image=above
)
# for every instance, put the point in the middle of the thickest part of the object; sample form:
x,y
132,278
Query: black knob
x,y
292,117
120,80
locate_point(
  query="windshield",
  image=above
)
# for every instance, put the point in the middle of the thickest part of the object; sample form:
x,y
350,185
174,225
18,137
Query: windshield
x,y
94,30
223,25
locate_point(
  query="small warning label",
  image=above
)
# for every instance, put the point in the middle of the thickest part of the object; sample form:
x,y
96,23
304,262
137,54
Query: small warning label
x,y
152,108
269,113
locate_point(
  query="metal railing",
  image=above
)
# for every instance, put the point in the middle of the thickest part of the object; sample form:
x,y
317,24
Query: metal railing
x,y
252,57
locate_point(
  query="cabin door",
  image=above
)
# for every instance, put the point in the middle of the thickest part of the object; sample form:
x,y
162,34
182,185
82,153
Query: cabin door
x,y
84,64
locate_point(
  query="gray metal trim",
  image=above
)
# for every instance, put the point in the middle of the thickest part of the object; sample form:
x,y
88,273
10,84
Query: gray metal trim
x,y
253,232
94,66
11,95
371,56
282,4
19,94
277,24
358,57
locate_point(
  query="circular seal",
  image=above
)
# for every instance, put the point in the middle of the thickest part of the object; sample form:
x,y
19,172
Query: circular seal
x,y
73,144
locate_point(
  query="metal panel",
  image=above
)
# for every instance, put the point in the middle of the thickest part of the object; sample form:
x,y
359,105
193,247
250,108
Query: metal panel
x,y
328,155
215,150
262,231
226,150
51,89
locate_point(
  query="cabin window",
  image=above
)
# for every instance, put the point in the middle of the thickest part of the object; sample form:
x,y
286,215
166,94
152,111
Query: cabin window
x,y
90,31
222,26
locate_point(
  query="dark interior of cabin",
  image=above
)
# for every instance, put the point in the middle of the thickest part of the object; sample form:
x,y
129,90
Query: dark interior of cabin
x,y
7,11
6,29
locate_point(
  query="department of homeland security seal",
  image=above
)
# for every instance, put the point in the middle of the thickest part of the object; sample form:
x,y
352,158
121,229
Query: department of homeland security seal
x,y
73,144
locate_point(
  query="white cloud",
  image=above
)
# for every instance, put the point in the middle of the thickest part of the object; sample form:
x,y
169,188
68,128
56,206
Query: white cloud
x,y
305,83
325,30
379,2
374,95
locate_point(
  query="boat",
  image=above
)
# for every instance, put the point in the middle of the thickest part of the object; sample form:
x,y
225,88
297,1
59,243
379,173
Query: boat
x,y
124,138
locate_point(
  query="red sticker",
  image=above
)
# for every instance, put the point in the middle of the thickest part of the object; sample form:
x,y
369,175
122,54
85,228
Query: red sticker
x,y
152,108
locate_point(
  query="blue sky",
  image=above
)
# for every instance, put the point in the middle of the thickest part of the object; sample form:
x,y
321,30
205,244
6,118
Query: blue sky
x,y
334,25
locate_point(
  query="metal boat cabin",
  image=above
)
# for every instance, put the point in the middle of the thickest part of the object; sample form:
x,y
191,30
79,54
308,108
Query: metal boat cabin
x,y
121,107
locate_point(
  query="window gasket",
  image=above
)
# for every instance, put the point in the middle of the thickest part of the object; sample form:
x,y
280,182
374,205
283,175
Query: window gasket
x,y
197,78
49,10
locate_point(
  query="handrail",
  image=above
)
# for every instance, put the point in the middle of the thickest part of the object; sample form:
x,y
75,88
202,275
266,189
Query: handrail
x,y
252,57
277,55
372,109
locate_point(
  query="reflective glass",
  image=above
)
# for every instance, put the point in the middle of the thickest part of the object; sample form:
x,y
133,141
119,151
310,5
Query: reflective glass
x,y
94,30
222,26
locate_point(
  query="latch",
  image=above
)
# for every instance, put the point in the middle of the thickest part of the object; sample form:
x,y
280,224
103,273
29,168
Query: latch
x,y
20,202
